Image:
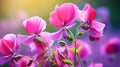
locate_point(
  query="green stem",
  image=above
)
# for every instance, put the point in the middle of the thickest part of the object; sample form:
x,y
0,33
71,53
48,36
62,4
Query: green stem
x,y
74,40
76,35
75,55
82,65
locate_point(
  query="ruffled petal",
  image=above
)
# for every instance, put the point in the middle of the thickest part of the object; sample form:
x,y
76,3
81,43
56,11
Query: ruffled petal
x,y
87,14
96,29
13,39
34,25
63,15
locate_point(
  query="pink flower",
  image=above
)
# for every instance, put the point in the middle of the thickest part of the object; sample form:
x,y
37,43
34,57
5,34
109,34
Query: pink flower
x,y
8,46
87,16
24,61
63,17
96,65
111,47
38,39
82,48
61,54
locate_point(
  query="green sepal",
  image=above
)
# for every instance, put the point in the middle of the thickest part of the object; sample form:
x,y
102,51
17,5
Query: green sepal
x,y
67,61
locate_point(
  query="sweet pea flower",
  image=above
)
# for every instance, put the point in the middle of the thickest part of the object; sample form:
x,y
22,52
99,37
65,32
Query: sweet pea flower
x,y
8,46
87,16
38,39
21,61
26,61
111,47
63,17
61,54
82,48
96,65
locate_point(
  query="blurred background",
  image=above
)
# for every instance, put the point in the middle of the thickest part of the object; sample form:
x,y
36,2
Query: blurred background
x,y
13,13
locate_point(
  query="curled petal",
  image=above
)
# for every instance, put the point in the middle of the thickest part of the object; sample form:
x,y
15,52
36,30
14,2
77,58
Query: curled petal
x,y
34,25
96,29
87,14
13,39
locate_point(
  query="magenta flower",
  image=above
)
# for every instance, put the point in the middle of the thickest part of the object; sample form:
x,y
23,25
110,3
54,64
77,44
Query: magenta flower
x,y
21,61
87,16
26,61
96,65
111,47
8,46
61,54
82,48
63,17
38,39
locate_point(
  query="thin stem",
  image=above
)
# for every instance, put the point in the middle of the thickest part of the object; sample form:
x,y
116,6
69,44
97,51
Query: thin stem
x,y
82,65
76,35
75,55
74,40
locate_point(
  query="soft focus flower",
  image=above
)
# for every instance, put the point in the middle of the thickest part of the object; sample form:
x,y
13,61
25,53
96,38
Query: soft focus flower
x,y
96,65
111,47
8,46
38,39
104,17
63,17
87,16
82,48
103,14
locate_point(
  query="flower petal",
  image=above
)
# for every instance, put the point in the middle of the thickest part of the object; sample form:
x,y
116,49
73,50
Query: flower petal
x,y
87,14
47,38
13,39
26,39
96,29
5,59
34,25
56,35
63,15
5,47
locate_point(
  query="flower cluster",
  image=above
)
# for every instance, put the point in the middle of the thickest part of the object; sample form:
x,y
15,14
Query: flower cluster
x,y
42,43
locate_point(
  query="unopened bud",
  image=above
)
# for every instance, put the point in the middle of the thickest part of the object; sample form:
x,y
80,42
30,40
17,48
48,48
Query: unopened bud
x,y
37,41
85,26
80,33
62,43
70,38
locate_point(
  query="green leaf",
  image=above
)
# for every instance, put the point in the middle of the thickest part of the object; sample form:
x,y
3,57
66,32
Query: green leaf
x,y
67,61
